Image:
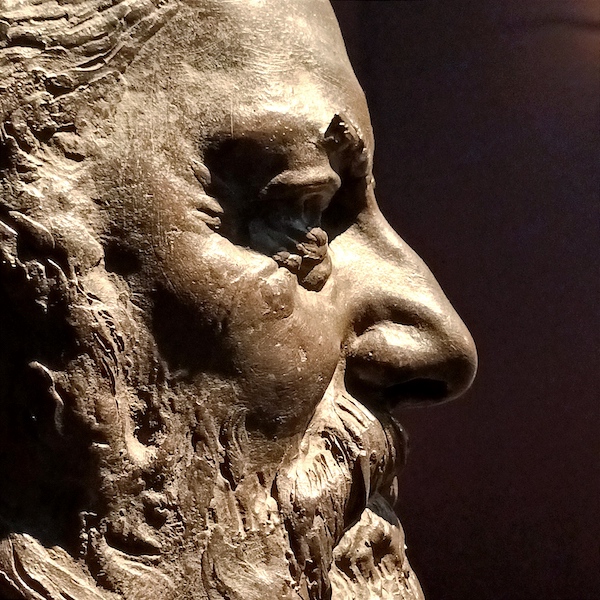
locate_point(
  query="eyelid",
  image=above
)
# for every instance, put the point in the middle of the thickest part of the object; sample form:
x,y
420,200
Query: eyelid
x,y
303,184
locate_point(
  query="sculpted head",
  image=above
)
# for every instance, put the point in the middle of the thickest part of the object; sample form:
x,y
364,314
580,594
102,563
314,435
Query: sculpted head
x,y
208,321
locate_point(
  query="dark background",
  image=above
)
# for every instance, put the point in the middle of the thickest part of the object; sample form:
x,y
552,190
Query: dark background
x,y
486,115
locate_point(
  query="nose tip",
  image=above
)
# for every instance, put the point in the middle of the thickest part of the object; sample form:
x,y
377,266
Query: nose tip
x,y
392,363
405,342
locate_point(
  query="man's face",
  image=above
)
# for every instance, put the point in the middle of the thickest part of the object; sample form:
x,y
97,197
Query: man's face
x,y
240,177
250,191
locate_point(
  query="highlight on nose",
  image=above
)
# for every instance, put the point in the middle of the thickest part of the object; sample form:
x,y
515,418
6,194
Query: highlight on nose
x,y
390,364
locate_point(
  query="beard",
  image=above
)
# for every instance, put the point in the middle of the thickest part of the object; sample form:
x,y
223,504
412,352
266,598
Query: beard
x,y
206,527
201,525
174,511
337,498
325,527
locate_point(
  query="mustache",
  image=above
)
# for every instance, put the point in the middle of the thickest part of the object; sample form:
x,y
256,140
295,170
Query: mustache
x,y
347,455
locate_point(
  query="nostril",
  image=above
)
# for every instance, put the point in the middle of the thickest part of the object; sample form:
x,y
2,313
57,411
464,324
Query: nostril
x,y
417,390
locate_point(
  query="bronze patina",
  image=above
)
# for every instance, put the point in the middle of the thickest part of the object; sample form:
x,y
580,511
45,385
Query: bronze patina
x,y
206,321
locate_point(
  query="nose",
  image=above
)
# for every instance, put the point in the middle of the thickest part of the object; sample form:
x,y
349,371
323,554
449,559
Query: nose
x,y
406,344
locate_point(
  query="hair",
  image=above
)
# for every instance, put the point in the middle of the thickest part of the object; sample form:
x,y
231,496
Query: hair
x,y
56,60
59,306
55,54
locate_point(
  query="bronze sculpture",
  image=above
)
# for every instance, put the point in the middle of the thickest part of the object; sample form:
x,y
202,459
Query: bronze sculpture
x,y
206,319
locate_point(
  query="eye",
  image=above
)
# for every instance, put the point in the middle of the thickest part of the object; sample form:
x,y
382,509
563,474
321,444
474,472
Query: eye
x,y
298,198
284,222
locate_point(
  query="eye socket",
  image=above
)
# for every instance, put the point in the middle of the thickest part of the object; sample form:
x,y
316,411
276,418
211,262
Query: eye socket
x,y
241,167
283,207
313,207
345,206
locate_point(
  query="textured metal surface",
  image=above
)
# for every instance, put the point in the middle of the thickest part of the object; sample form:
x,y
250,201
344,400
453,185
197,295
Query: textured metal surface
x,y
208,321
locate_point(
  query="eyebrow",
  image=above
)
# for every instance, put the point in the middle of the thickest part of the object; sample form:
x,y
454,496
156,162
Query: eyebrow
x,y
342,134
343,139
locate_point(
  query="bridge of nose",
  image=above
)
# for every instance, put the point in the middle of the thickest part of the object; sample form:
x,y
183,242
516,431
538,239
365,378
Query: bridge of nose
x,y
406,341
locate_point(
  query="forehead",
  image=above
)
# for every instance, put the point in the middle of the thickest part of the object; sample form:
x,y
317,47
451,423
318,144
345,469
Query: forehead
x,y
251,64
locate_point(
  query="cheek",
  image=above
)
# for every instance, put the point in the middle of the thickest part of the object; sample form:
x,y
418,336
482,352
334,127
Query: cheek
x,y
253,324
285,368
